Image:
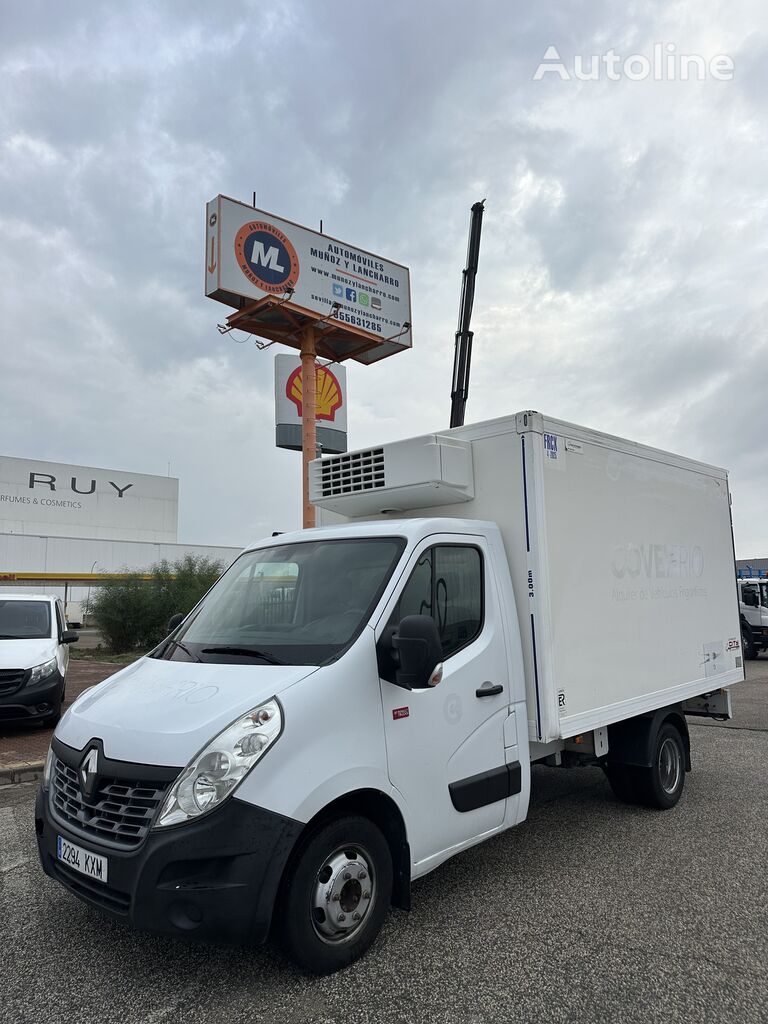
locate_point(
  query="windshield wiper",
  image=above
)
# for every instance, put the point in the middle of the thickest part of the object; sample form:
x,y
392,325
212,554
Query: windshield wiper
x,y
244,652
178,643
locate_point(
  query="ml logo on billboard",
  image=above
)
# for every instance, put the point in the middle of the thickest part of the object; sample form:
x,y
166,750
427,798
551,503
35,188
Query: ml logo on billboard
x,y
266,257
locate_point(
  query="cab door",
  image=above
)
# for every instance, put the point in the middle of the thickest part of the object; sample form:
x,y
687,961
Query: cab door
x,y
445,745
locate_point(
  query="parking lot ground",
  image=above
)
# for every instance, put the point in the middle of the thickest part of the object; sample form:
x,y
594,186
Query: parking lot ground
x,y
23,747
591,911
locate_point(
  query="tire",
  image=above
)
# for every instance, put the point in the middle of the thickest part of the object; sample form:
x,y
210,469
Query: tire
x,y
322,875
748,645
665,778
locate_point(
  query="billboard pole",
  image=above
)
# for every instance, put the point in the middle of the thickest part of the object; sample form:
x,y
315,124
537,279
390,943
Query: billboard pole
x,y
308,423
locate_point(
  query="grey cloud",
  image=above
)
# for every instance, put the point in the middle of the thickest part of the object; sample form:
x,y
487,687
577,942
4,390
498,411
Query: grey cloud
x,y
623,249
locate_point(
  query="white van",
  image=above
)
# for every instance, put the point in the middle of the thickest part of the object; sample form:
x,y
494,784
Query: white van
x,y
34,655
350,706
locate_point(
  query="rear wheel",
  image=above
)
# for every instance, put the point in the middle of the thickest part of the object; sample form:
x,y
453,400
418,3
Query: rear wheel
x,y
336,895
666,778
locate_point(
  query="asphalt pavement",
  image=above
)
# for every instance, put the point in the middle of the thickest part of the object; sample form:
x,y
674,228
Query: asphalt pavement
x,y
591,911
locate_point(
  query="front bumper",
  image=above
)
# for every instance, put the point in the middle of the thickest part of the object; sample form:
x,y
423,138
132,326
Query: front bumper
x,y
215,879
33,702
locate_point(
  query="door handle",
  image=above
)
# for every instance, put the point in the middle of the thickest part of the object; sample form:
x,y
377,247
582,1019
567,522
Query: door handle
x,y
486,690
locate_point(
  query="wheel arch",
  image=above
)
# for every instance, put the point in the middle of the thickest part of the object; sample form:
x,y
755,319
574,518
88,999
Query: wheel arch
x,y
380,809
632,741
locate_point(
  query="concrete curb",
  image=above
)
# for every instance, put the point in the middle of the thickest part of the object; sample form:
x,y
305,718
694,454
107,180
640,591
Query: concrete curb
x,y
21,771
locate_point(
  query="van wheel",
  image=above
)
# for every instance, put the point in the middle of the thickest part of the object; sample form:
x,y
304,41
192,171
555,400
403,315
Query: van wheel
x,y
748,645
664,781
336,895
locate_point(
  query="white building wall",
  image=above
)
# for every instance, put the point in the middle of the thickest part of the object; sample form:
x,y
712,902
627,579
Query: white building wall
x,y
63,500
22,553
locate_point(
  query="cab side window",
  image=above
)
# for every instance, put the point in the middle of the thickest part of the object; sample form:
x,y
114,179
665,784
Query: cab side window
x,y
59,619
750,595
447,584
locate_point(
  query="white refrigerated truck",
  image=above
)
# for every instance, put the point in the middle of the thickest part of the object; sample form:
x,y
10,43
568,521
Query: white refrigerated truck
x,y
350,706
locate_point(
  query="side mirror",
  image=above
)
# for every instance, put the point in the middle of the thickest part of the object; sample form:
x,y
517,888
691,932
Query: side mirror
x,y
174,621
417,653
69,636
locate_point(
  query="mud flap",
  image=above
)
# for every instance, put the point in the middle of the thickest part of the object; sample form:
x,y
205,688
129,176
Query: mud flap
x,y
716,704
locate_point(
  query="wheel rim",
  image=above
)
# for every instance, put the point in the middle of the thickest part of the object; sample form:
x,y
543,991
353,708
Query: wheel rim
x,y
343,894
670,765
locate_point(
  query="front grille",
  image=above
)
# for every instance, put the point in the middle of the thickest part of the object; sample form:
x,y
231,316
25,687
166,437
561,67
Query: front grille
x,y
351,472
94,892
11,680
120,811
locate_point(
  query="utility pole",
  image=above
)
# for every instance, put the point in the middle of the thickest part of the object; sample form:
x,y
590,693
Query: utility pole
x,y
463,355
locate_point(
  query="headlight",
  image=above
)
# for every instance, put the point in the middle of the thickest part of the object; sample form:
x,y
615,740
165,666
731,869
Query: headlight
x,y
41,672
48,768
219,768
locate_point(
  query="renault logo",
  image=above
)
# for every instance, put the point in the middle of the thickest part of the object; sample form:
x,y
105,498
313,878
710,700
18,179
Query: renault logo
x,y
88,772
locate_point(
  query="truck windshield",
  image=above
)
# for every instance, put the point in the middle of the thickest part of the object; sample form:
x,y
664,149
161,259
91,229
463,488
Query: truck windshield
x,y
293,604
25,620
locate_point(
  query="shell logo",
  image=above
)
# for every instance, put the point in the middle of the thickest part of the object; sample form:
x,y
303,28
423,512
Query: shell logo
x,y
328,392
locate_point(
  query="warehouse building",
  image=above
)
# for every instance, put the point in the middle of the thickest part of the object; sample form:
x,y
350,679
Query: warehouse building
x,y
64,528
746,567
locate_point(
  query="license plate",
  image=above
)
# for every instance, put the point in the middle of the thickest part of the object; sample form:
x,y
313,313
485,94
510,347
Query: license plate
x,y
90,864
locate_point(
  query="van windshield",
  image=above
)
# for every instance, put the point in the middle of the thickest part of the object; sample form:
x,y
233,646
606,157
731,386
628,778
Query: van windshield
x,y
24,620
293,604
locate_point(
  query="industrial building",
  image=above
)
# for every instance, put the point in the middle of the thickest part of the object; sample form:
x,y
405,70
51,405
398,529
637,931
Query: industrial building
x,y
64,528
751,567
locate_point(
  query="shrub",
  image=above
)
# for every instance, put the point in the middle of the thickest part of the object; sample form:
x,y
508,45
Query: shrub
x,y
131,612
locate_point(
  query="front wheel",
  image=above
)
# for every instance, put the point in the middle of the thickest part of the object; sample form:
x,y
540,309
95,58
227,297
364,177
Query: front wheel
x,y
336,895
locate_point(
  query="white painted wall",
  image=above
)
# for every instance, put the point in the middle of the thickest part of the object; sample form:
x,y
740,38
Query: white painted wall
x,y
23,553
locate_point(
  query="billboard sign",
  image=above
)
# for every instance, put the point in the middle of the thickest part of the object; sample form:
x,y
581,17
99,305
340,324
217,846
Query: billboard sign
x,y
331,407
56,499
252,255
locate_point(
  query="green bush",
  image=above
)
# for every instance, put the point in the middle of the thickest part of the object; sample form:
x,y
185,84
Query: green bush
x,y
131,612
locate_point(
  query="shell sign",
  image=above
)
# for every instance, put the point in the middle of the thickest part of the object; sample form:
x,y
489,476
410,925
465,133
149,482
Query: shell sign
x,y
328,392
331,414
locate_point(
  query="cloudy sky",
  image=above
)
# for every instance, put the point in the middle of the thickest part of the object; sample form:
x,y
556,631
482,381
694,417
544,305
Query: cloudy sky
x,y
625,247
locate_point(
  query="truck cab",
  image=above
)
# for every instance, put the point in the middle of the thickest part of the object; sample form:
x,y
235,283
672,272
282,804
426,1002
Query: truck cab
x,y
288,663
753,613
